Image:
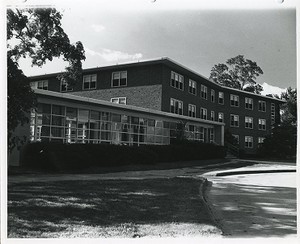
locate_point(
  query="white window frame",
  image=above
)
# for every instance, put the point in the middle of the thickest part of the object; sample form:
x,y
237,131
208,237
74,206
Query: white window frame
x,y
248,102
66,85
35,84
204,92
212,115
211,135
119,73
262,108
178,81
248,139
212,95
248,121
203,113
234,100
92,78
192,110
119,100
262,124
221,117
221,96
236,118
192,87
260,140
173,102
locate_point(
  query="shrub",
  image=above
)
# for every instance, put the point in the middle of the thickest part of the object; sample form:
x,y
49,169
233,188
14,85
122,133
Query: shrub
x,y
56,156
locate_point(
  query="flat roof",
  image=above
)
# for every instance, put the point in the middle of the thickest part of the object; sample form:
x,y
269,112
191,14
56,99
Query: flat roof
x,y
121,106
163,60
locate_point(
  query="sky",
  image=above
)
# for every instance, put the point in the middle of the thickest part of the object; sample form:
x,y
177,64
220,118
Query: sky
x,y
196,34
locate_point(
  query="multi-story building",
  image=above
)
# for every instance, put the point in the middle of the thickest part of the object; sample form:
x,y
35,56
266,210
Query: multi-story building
x,y
159,88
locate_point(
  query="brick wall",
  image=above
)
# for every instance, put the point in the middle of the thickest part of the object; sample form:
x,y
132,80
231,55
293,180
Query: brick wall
x,y
140,96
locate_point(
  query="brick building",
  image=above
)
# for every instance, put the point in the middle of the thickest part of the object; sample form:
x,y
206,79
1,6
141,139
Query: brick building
x,y
160,87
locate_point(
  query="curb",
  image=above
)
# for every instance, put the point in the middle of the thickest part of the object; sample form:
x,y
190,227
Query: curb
x,y
255,172
215,215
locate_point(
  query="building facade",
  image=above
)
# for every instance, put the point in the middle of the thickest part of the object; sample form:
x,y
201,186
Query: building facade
x,y
167,86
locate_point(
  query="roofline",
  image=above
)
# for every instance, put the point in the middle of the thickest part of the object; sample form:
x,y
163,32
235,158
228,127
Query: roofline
x,y
127,107
162,59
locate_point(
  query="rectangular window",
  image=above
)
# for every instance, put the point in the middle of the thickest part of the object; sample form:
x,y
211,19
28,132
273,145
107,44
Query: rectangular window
x,y
203,113
42,84
192,87
261,106
192,111
119,100
203,92
212,136
248,103
234,100
177,81
89,82
221,97
176,106
249,122
248,142
272,113
212,115
261,124
119,79
221,117
65,87
234,120
261,140
212,95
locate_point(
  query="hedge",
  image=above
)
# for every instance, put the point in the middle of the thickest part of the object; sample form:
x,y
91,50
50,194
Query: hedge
x,y
57,156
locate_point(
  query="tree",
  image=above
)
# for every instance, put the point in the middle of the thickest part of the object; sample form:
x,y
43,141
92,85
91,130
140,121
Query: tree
x,y
289,109
36,34
238,73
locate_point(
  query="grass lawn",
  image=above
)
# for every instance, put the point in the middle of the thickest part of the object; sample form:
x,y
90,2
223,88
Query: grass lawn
x,y
108,208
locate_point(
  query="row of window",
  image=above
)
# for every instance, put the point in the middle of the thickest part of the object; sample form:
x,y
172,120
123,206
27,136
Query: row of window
x,y
177,81
176,106
249,141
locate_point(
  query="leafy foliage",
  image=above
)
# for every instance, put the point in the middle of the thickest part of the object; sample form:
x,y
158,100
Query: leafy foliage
x,y
36,34
238,73
289,109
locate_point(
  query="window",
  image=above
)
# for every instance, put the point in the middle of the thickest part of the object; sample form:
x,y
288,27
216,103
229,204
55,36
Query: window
x,y
176,106
234,100
119,79
221,117
248,103
212,95
260,141
249,122
203,91
248,142
261,124
42,84
192,110
234,120
89,82
119,100
261,106
221,97
176,80
203,113
211,136
212,115
192,87
272,113
65,87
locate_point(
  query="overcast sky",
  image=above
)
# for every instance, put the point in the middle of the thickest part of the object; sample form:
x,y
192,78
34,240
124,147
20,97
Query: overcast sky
x,y
195,35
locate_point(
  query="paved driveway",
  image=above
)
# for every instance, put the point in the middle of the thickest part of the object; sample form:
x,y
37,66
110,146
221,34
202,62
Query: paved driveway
x,y
256,204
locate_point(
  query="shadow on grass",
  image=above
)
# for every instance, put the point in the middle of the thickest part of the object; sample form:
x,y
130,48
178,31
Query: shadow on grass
x,y
41,207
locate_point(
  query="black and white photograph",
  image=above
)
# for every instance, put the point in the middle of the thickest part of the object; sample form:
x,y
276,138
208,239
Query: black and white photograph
x,y
149,120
